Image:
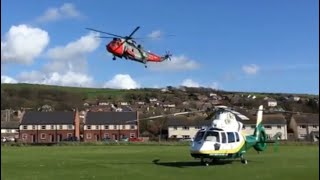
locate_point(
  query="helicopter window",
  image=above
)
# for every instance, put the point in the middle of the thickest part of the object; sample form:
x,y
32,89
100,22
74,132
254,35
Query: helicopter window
x,y
237,137
223,137
231,138
199,136
212,136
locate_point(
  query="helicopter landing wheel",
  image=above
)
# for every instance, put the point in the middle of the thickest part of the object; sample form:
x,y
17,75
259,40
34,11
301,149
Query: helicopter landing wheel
x,y
114,58
244,161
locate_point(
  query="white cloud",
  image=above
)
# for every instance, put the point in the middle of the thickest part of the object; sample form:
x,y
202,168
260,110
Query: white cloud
x,y
65,79
7,79
215,85
72,50
155,34
23,44
190,83
72,56
250,69
122,81
177,63
67,10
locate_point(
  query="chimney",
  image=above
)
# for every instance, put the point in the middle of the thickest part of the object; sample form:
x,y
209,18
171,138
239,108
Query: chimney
x,y
77,125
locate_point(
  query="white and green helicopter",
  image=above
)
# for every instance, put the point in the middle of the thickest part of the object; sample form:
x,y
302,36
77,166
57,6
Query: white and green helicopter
x,y
224,139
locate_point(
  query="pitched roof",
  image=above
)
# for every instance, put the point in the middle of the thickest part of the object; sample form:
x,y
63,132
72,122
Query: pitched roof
x,y
311,119
56,117
10,124
96,118
268,119
185,122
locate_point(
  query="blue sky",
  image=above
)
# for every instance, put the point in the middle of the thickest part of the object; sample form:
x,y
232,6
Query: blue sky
x,y
262,46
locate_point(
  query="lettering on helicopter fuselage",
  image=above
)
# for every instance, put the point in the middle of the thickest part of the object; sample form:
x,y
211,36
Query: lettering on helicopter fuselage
x,y
219,154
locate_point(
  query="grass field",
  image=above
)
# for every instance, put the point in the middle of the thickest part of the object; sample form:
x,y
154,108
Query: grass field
x,y
136,162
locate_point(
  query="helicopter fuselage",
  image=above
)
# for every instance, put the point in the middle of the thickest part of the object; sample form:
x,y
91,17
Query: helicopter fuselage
x,y
216,143
129,50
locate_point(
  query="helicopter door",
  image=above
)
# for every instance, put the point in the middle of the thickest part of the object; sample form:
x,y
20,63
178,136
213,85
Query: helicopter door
x,y
231,140
224,142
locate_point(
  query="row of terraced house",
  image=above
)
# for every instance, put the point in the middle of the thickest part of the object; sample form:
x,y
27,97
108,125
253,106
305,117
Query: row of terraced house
x,y
51,127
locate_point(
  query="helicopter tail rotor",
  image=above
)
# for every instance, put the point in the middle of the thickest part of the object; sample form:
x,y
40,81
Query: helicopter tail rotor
x,y
167,56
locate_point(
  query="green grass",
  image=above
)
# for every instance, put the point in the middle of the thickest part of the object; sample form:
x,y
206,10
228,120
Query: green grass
x,y
135,162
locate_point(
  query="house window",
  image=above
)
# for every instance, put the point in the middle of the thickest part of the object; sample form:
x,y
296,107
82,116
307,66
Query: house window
x,y
24,136
132,135
314,127
24,127
43,127
231,138
60,126
33,127
243,127
278,127
198,127
106,127
123,127
88,127
185,128
43,136
185,136
88,135
302,126
52,126
175,127
174,136
115,127
106,136
97,127
69,135
267,127
253,127
132,127
70,126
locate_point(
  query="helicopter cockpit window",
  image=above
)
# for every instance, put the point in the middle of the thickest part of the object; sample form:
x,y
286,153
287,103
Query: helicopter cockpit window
x,y
212,136
237,137
223,137
231,138
199,136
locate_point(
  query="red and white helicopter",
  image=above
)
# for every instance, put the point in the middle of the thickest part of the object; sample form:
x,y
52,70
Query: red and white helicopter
x,y
126,47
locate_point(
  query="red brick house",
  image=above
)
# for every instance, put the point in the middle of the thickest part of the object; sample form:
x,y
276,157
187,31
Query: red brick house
x,y
110,125
49,127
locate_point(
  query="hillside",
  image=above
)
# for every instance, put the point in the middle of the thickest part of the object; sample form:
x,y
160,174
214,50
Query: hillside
x,y
33,96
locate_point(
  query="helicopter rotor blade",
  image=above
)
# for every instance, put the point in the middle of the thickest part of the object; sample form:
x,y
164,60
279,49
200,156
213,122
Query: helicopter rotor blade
x,y
129,37
105,32
104,37
165,115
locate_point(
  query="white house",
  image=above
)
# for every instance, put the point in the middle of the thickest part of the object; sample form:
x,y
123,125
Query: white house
x,y
274,124
185,128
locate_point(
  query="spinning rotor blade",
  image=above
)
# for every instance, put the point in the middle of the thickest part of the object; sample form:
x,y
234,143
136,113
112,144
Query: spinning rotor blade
x,y
129,37
164,115
104,37
104,32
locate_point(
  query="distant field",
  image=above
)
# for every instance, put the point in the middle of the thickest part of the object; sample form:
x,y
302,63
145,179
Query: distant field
x,y
135,162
